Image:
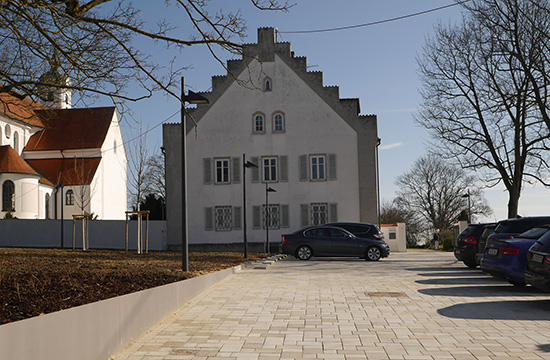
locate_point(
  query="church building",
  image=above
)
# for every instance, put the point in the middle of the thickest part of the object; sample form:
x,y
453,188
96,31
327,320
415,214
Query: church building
x,y
56,162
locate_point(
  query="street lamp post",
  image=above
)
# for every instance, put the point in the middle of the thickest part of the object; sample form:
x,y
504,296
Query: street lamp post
x,y
191,98
246,164
469,206
267,191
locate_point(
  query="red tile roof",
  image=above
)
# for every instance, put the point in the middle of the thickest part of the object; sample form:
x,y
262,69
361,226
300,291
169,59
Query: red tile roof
x,y
71,129
72,171
11,162
21,110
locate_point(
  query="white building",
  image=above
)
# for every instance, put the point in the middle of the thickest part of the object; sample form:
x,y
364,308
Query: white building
x,y
61,162
310,146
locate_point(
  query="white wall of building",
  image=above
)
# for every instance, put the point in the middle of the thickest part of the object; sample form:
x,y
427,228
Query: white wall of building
x,y
111,178
29,196
311,127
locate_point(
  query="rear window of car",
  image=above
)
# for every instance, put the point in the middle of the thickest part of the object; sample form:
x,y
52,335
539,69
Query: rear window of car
x,y
517,227
533,233
356,228
470,230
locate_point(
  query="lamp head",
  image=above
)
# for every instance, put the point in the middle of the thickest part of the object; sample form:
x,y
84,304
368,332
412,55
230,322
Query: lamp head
x,y
194,98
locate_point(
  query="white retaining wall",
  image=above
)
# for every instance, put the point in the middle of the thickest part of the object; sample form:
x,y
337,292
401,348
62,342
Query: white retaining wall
x,y
102,234
99,330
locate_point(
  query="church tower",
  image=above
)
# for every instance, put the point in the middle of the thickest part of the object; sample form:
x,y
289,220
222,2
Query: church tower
x,y
53,96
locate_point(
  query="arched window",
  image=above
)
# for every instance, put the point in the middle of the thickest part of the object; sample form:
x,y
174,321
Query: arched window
x,y
8,196
278,122
16,142
69,197
47,204
267,84
7,131
259,124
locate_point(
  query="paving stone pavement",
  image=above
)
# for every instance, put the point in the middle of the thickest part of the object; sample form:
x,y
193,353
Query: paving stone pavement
x,y
414,305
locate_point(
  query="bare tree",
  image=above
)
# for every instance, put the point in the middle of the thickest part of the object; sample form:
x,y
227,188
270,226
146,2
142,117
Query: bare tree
x,y
433,191
94,43
155,176
520,31
137,183
478,105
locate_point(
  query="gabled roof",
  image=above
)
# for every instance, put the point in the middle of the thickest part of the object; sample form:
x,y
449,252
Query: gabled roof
x,y
20,110
11,162
71,129
70,171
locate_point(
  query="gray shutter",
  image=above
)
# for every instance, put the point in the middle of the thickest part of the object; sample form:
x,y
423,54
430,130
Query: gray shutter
x,y
236,169
332,166
283,168
304,215
207,170
333,213
208,219
237,218
302,162
255,171
256,217
285,216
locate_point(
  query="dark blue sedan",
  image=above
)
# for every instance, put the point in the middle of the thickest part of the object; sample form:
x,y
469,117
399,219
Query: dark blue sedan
x,y
508,257
332,241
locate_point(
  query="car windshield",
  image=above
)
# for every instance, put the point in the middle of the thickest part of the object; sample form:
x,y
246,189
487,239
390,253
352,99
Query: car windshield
x,y
533,233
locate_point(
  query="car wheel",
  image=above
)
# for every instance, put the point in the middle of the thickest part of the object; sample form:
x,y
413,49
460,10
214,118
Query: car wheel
x,y
304,252
471,265
373,254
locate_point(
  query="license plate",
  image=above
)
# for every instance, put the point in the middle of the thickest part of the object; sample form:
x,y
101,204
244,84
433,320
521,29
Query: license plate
x,y
537,258
493,252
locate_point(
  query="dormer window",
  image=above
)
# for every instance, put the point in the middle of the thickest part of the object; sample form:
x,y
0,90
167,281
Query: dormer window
x,y
268,86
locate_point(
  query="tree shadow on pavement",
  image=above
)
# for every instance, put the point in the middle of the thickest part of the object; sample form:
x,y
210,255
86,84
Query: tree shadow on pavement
x,y
536,310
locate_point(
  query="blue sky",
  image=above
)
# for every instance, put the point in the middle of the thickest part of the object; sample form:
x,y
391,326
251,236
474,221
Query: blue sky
x,y
376,64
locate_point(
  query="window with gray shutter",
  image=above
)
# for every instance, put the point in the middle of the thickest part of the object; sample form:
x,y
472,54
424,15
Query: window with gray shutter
x,y
237,218
304,215
236,169
207,170
283,168
333,213
332,166
256,217
285,216
302,163
208,219
255,170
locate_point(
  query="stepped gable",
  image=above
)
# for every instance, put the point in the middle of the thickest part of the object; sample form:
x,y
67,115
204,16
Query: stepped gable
x,y
265,50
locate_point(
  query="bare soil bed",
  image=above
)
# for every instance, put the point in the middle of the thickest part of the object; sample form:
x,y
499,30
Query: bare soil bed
x,y
34,282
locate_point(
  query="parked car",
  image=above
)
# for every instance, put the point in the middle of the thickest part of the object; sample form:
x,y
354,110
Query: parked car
x,y
332,241
537,273
507,229
489,229
468,243
363,230
508,257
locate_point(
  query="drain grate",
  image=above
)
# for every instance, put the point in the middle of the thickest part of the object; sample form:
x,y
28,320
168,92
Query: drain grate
x,y
386,294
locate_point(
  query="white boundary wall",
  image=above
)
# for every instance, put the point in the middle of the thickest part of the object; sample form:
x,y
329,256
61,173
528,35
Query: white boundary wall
x,y
99,330
102,234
